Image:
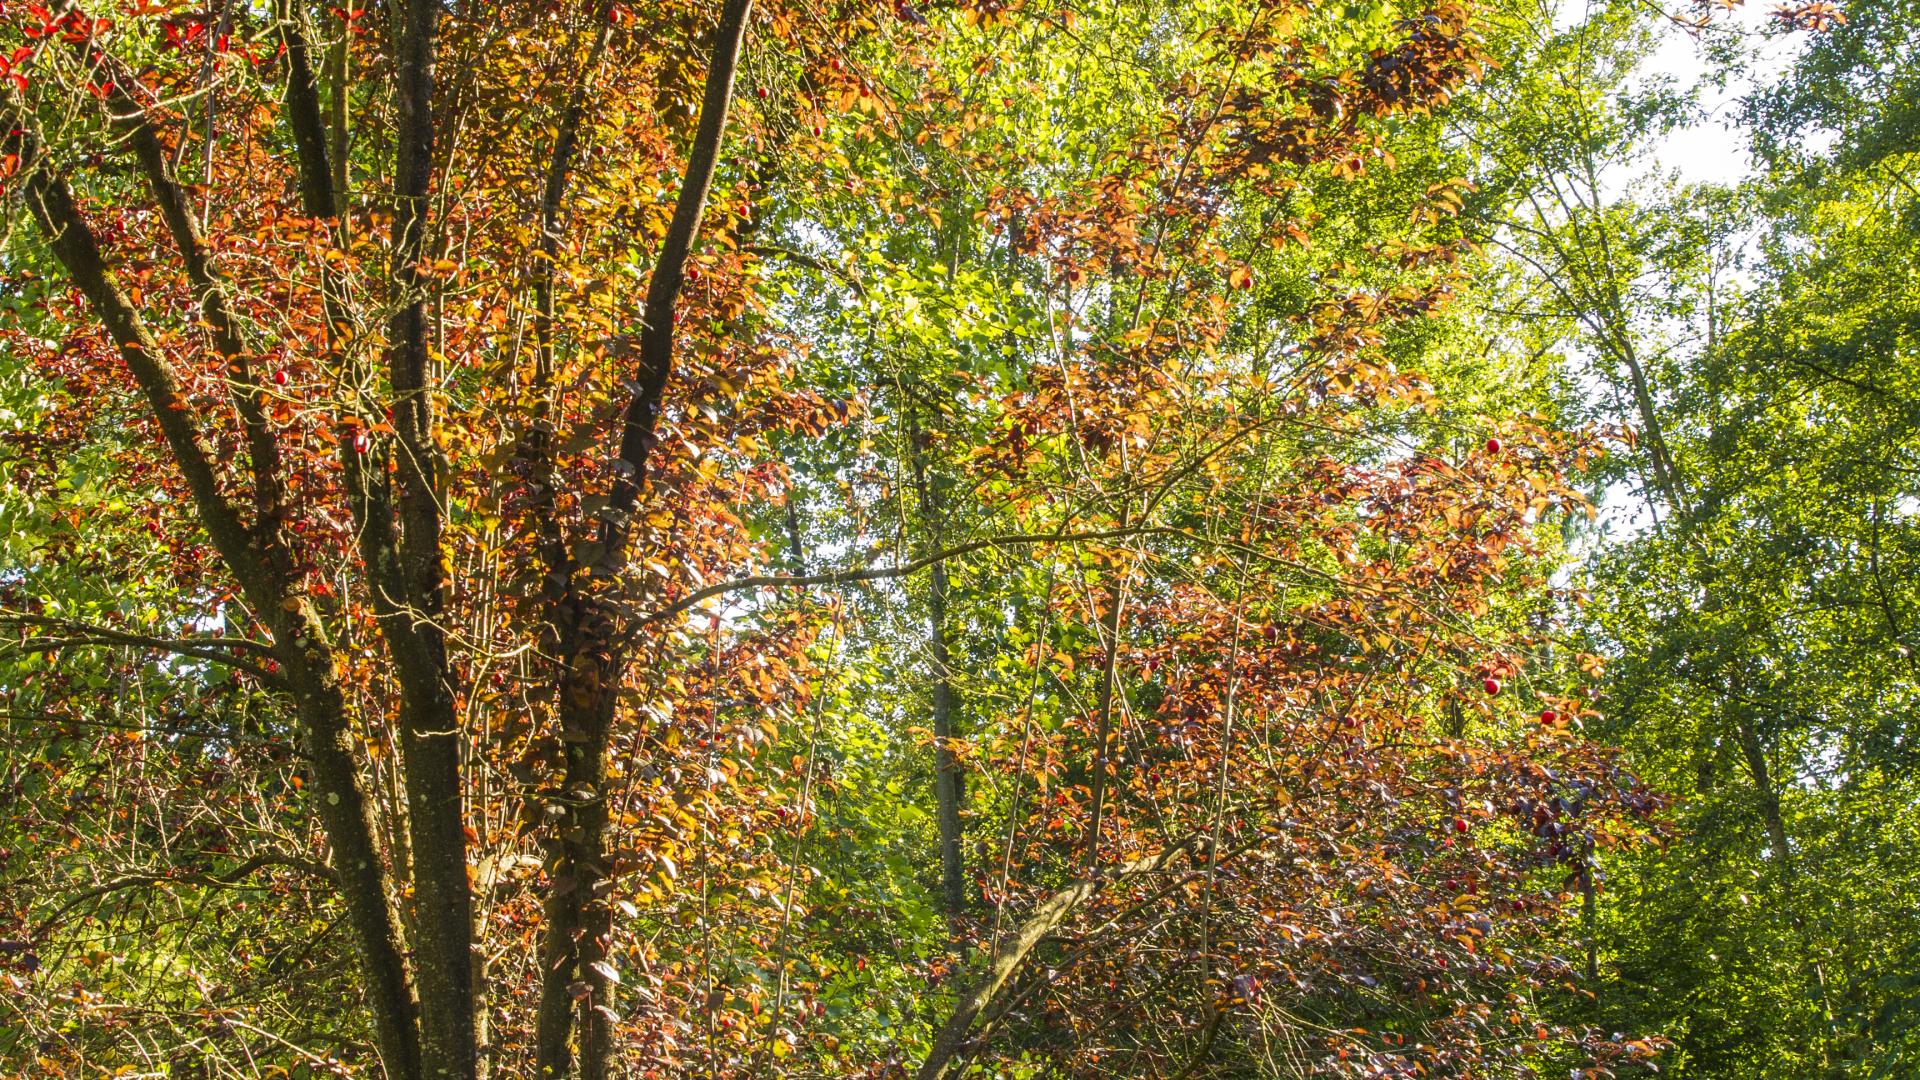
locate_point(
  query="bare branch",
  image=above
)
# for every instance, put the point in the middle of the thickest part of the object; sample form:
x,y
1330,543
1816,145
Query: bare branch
x,y
77,633
881,573
229,876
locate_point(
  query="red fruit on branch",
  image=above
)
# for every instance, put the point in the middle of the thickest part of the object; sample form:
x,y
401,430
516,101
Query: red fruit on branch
x,y
1493,446
1460,825
1548,716
1491,685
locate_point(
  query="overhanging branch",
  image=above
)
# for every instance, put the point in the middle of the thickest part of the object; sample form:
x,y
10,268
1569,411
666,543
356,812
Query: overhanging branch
x,y
881,573
59,633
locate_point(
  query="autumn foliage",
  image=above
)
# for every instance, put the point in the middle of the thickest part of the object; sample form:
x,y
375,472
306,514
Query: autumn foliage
x,y
511,414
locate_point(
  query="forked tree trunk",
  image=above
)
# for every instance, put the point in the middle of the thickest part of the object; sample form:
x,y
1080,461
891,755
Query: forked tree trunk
x,y
576,976
343,806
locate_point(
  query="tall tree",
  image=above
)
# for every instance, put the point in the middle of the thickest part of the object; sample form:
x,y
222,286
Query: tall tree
x,y
483,369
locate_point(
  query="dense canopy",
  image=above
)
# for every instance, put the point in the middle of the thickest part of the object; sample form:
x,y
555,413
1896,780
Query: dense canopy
x,y
802,538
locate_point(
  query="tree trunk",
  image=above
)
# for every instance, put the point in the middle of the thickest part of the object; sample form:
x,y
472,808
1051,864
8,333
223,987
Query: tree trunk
x,y
1766,795
346,815
576,974
1109,693
948,783
443,896
948,790
586,630
343,806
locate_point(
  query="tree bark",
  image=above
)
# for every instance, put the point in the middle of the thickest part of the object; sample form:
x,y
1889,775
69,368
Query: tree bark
x,y
1109,692
1765,793
589,642
947,780
415,627
571,862
948,790
343,805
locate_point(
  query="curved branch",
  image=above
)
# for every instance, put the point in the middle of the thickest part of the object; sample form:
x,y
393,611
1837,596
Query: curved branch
x,y
880,573
207,649
230,876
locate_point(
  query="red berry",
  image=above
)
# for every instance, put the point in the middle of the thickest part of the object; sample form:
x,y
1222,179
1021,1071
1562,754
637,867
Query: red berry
x,y
818,131
762,92
1491,685
1548,716
280,377
1460,824
1493,446
361,442
693,275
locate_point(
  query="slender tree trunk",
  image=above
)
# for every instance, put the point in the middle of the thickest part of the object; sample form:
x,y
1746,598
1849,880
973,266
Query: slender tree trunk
x,y
948,789
1590,914
443,898
948,782
573,863
400,542
1109,693
587,631
1765,794
343,806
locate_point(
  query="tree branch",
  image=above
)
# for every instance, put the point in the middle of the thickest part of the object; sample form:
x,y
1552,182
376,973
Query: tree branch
x,y
561,946
882,573
50,202
811,263
75,632
263,450
228,876
642,414
317,191
1011,951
